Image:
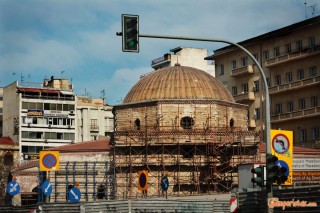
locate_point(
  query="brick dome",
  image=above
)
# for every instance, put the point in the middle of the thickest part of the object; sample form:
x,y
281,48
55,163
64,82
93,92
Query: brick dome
x,y
178,82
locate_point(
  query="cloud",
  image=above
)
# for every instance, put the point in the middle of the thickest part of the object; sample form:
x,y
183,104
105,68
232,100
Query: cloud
x,y
43,37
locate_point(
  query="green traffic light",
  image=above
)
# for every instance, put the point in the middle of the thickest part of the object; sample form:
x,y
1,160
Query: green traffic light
x,y
131,44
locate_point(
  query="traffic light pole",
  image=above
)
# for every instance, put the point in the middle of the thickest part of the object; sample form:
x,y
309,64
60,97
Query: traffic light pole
x,y
267,100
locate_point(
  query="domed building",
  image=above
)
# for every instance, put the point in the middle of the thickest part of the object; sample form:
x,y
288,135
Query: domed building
x,y
182,123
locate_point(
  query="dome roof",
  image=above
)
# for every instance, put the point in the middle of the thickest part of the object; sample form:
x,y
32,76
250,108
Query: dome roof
x,y
178,82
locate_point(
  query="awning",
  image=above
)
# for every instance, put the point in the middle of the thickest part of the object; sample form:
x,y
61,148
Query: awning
x,y
50,91
24,89
66,92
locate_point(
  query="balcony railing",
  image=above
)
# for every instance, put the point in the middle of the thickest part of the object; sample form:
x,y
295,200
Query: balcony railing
x,y
249,96
242,71
294,85
48,97
165,58
292,56
315,111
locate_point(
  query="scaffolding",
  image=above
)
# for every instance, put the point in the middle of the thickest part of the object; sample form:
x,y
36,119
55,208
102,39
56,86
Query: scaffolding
x,y
196,161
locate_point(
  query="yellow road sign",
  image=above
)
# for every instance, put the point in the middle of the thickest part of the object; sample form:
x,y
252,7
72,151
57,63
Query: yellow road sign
x,y
143,180
282,147
49,161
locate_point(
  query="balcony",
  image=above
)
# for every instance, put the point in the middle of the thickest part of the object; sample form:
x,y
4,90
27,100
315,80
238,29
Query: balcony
x,y
292,56
161,60
94,128
242,71
294,85
306,113
245,97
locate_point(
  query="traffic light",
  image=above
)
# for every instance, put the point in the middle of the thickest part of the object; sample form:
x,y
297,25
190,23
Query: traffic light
x,y
130,33
282,175
271,168
259,179
275,173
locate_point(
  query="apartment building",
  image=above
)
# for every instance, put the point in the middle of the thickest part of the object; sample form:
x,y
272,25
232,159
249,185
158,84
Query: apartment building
x,y
95,118
186,56
39,117
290,58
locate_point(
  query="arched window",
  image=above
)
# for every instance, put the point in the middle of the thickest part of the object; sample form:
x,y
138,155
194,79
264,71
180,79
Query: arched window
x,y
137,123
8,160
187,122
231,122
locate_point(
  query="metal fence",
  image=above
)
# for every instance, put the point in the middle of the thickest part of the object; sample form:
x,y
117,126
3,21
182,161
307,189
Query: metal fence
x,y
142,206
256,202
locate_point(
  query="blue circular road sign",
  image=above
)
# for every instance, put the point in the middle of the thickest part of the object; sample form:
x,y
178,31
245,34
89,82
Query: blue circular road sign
x,y
164,183
13,188
47,188
74,195
282,163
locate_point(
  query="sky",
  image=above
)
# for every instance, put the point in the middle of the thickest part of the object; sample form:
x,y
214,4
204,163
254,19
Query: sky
x,y
76,39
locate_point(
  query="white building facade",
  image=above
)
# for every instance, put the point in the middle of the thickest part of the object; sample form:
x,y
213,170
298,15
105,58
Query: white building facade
x,y
186,56
39,117
94,118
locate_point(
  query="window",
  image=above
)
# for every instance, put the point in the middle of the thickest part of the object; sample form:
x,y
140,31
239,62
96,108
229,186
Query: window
x,y
187,122
94,124
290,106
313,71
299,45
278,108
245,88
289,77
303,135
314,101
244,61
234,90
276,51
300,74
266,55
287,48
302,103
221,69
312,41
256,86
256,56
278,80
8,160
234,64
315,134
257,113
137,123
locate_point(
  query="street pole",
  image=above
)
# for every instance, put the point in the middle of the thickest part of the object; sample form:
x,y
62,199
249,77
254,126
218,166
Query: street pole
x,y
267,99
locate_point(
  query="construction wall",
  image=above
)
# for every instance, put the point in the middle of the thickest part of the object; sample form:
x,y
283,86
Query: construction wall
x,y
199,159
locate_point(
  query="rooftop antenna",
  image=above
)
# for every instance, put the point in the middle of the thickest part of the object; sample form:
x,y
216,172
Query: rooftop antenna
x,y
314,9
305,8
103,93
22,78
62,71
